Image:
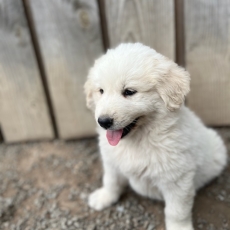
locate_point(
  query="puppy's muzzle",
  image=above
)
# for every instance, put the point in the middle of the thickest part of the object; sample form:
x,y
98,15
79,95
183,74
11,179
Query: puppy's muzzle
x,y
105,122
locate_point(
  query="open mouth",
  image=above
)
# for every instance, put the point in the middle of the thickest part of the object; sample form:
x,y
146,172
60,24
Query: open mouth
x,y
114,136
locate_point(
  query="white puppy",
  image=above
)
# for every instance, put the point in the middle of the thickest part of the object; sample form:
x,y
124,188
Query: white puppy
x,y
147,137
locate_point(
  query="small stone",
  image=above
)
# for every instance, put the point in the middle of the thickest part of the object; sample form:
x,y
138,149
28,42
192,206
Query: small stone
x,y
146,224
69,222
6,224
211,227
83,196
120,208
76,224
151,227
63,223
91,227
220,197
140,207
225,225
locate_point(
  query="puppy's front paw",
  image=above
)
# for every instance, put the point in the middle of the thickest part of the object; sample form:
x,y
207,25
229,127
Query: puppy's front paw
x,y
101,198
178,225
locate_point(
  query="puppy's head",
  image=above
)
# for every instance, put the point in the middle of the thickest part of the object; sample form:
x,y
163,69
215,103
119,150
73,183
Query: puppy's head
x,y
131,82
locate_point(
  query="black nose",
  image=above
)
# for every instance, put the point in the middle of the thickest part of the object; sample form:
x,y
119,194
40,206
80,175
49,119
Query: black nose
x,y
105,122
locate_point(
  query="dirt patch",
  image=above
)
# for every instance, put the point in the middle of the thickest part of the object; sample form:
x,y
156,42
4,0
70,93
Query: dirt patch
x,y
46,185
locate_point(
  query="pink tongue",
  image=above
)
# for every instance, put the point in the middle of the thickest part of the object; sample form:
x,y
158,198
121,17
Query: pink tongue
x,y
114,136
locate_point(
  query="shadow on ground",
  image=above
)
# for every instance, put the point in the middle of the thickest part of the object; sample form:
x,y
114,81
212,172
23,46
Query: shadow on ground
x,y
46,185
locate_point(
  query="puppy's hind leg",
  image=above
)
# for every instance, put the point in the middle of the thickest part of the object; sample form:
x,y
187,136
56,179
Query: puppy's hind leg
x,y
113,185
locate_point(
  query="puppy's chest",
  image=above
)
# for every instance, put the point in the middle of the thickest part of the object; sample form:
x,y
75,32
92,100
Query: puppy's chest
x,y
142,162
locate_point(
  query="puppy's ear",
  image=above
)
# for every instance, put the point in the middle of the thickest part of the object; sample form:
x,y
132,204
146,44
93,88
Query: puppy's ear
x,y
88,87
173,86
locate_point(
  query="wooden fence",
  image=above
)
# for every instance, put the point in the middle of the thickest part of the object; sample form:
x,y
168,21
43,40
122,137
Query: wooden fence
x,y
47,47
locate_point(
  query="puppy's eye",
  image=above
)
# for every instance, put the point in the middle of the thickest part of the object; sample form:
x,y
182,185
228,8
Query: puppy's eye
x,y
129,92
101,91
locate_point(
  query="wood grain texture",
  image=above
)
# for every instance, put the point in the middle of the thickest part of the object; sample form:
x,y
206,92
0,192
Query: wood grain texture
x,y
23,110
207,30
69,36
150,22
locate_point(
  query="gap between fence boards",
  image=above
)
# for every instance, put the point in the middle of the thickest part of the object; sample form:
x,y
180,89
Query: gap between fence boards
x,y
179,32
1,136
103,24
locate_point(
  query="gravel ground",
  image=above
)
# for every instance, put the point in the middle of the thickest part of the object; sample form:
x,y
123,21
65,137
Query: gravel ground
x,y
46,185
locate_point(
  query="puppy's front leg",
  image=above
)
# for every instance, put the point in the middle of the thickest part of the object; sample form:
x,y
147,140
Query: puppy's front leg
x,y
179,198
113,185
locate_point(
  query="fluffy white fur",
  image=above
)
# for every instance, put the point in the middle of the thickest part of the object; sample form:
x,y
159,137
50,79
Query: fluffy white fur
x,y
170,153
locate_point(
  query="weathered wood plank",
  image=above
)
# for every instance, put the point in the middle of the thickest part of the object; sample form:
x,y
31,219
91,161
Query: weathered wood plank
x,y
23,110
207,30
150,22
70,39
